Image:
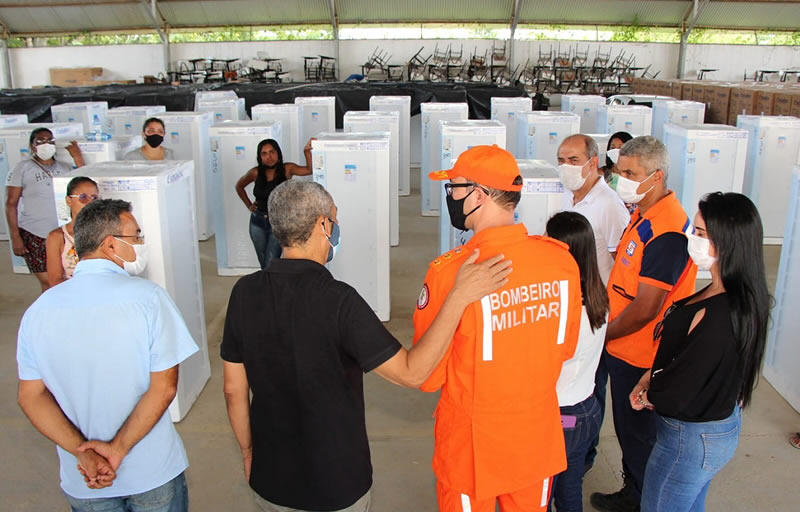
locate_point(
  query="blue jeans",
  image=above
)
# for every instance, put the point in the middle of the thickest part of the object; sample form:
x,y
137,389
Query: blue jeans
x,y
568,486
173,496
636,430
600,386
685,459
264,241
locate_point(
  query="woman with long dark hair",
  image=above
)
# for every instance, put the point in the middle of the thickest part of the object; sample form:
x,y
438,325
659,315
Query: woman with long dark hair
x,y
580,411
711,346
270,172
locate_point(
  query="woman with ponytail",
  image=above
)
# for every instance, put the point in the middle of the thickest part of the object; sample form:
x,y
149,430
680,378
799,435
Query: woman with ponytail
x,y
711,346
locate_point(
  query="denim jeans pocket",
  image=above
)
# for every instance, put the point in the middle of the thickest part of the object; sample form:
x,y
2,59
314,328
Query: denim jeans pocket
x,y
671,423
719,448
156,499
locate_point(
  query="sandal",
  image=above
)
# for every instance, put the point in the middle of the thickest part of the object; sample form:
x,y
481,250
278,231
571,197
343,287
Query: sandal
x,y
795,440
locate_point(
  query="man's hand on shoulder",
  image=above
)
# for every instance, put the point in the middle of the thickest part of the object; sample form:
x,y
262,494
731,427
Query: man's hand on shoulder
x,y
476,280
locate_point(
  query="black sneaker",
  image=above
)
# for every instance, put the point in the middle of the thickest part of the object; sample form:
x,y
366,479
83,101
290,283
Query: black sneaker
x,y
624,500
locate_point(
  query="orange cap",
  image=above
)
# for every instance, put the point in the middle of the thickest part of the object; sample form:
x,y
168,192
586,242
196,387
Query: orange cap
x,y
490,166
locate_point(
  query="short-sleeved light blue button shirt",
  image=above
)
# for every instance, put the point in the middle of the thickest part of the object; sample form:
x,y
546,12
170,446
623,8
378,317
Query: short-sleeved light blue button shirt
x,y
93,340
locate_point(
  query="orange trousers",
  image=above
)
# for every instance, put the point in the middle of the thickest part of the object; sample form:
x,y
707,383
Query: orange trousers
x,y
531,499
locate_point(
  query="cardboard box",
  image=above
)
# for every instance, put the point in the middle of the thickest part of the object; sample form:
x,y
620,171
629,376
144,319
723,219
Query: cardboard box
x,y
796,104
766,101
699,92
744,100
686,89
783,102
718,100
677,88
72,77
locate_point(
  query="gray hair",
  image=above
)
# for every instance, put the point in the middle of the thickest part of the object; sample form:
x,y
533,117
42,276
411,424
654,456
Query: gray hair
x,y
652,153
96,221
294,207
591,145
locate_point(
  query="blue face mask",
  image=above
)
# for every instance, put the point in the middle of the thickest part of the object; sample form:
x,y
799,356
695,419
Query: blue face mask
x,y
333,239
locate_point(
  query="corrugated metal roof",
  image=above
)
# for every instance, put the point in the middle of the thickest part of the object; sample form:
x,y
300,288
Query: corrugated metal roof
x,y
244,12
365,11
603,12
48,16
751,15
22,20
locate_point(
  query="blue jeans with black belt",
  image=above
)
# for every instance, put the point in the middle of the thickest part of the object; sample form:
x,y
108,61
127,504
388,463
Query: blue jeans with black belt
x,y
685,458
264,241
568,486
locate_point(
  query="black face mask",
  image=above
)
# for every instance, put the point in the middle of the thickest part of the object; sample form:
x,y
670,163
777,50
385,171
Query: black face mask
x,y
455,207
154,140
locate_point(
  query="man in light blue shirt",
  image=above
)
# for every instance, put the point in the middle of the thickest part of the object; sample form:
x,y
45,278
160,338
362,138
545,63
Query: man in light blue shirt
x,y
98,360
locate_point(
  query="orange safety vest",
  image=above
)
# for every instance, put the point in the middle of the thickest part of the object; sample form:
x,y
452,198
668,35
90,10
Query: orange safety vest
x,y
498,427
667,215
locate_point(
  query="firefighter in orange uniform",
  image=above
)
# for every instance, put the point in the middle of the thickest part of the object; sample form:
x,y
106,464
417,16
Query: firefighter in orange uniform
x,y
498,434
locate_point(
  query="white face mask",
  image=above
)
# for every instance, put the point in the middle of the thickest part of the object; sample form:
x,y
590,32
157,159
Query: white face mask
x,y
45,151
613,155
571,176
627,188
699,251
137,266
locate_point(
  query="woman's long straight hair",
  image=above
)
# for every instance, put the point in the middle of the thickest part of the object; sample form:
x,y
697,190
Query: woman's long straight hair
x,y
573,229
735,230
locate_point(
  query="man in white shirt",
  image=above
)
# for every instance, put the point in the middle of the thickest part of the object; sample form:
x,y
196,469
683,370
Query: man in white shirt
x,y
586,192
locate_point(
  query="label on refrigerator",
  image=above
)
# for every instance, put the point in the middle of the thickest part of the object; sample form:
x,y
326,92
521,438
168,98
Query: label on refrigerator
x,y
314,116
553,137
128,128
175,137
713,156
350,174
533,186
126,185
241,153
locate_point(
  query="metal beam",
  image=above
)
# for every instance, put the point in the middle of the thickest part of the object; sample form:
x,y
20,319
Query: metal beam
x,y
335,26
151,9
514,23
692,15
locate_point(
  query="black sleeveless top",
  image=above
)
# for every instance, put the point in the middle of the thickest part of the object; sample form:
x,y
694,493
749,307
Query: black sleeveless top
x,y
263,188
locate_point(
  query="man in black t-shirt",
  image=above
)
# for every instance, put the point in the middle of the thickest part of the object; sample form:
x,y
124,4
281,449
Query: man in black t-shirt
x,y
300,341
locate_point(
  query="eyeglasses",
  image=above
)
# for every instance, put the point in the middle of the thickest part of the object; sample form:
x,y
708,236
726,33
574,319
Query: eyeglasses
x,y
136,238
448,187
659,329
86,198
36,142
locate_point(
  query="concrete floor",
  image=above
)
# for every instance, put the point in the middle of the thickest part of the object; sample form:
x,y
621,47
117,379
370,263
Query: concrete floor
x,y
762,476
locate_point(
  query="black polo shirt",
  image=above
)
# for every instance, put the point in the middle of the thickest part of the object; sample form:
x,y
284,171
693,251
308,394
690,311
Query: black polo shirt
x,y
305,340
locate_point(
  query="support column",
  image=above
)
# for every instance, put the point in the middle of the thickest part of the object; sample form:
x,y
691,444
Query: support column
x,y
335,26
511,42
687,24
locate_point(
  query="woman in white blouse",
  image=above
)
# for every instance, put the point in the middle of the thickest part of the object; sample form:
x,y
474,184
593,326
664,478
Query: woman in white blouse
x,y
580,411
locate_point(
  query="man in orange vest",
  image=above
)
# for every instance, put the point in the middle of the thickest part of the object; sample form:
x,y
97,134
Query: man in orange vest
x,y
652,270
498,434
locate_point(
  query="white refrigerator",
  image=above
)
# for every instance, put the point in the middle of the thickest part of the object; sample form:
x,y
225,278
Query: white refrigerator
x,y
634,119
506,110
676,112
354,168
232,109
100,151
187,136
704,158
15,147
319,115
783,351
9,120
162,196
457,137
542,194
585,106
130,120
83,112
401,105
291,118
771,154
539,134
432,114
234,149
383,122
